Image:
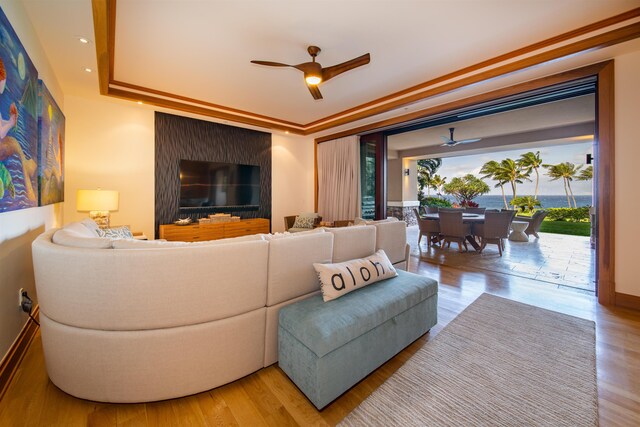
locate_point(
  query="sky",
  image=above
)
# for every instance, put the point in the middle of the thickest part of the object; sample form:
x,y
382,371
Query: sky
x,y
574,153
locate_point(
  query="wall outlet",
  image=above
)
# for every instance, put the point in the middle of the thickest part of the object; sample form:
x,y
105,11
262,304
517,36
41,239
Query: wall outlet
x,y
20,297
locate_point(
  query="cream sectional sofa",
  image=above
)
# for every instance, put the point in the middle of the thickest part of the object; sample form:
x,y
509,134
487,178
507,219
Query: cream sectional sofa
x,y
162,320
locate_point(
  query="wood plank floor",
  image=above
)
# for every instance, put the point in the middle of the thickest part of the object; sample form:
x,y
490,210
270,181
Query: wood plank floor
x,y
267,397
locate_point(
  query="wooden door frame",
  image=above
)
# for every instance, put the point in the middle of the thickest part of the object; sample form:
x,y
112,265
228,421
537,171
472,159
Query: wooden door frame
x,y
604,153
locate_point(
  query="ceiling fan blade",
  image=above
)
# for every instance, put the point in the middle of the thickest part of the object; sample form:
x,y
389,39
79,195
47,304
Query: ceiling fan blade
x,y
449,144
271,64
315,91
467,141
330,72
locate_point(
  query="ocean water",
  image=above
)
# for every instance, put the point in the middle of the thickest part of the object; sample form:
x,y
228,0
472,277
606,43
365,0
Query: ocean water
x,y
555,201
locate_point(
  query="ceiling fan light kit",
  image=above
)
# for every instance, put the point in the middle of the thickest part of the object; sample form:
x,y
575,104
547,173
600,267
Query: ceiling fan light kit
x,y
314,73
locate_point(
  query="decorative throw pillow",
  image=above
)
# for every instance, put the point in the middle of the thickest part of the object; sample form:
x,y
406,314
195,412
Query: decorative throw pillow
x,y
304,222
339,279
116,232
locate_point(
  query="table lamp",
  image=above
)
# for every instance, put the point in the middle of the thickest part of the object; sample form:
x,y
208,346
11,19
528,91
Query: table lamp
x,y
98,203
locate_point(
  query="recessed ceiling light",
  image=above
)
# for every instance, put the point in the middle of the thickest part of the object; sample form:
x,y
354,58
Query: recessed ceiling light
x,y
287,132
139,102
88,70
84,40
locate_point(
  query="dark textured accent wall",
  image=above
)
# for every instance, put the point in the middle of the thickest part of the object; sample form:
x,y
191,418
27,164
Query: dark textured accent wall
x,y
185,138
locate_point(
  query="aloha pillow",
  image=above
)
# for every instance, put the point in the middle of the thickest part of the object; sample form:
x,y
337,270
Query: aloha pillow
x,y
304,222
116,232
341,278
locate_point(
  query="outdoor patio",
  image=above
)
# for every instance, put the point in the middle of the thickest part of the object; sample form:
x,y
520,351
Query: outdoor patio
x,y
562,260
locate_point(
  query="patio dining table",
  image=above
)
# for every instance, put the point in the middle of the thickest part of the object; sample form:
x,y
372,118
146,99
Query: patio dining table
x,y
467,218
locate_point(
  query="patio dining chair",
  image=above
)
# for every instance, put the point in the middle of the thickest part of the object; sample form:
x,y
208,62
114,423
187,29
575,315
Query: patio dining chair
x,y
452,228
495,229
534,222
479,211
432,209
429,228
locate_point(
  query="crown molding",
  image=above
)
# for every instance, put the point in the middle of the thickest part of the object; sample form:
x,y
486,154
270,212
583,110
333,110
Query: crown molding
x,y
598,35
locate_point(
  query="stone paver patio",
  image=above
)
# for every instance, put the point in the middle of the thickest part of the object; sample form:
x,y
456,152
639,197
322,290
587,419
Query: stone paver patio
x,y
566,261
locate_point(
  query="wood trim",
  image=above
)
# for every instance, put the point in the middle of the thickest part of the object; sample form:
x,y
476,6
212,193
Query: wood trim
x,y
563,77
315,176
605,185
597,42
489,62
207,104
16,353
104,12
188,108
627,301
104,47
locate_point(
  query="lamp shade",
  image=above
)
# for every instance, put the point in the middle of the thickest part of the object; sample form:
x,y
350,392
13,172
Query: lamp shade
x,y
97,200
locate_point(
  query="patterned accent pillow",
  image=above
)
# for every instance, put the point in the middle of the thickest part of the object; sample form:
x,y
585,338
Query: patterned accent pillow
x,y
116,232
341,278
304,222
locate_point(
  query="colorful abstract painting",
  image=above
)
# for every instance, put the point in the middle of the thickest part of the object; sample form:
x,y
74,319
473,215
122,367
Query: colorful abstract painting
x,y
18,123
50,148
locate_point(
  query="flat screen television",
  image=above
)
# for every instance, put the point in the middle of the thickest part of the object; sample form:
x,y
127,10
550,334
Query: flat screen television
x,y
214,184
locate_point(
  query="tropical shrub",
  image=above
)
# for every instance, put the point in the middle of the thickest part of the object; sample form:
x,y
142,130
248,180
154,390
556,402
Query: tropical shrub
x,y
467,188
568,214
435,202
525,203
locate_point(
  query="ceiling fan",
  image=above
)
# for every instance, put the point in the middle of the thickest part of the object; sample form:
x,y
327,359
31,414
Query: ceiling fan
x,y
450,142
314,73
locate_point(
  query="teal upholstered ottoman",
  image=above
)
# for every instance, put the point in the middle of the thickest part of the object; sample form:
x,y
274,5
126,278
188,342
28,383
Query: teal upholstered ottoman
x,y
327,347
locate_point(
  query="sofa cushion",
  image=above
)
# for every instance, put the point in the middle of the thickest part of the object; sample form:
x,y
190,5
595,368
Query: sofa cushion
x,y
339,279
91,226
160,244
391,236
70,238
79,229
291,272
353,242
323,327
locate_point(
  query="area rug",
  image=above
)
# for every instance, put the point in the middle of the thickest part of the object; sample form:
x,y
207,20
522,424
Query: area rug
x,y
499,363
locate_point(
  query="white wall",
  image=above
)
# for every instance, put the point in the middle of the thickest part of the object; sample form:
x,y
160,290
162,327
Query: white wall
x,y
627,156
110,145
292,178
19,228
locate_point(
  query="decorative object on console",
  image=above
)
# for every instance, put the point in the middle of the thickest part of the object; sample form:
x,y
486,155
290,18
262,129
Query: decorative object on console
x,y
122,232
183,221
341,278
99,203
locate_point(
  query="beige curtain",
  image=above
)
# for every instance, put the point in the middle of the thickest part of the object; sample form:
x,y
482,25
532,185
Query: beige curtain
x,y
339,179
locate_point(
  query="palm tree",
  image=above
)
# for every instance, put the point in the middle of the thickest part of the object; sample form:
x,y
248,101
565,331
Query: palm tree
x,y
586,174
515,174
437,182
531,161
567,171
426,169
492,170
